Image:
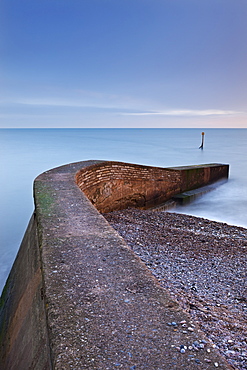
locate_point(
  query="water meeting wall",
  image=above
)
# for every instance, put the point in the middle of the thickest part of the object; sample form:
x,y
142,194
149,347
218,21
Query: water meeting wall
x,y
67,291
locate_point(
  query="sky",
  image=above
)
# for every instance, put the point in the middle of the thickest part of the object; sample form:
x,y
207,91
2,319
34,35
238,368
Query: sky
x,y
123,63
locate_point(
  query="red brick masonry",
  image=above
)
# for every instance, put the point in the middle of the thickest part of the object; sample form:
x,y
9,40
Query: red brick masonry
x,y
116,185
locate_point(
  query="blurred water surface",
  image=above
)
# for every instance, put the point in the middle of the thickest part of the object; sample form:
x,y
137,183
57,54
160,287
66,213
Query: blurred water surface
x,y
25,153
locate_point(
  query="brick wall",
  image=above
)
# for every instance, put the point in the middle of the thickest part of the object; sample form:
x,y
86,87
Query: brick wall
x,y
116,185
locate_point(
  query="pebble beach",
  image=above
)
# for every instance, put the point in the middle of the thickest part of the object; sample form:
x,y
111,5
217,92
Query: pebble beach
x,y
203,265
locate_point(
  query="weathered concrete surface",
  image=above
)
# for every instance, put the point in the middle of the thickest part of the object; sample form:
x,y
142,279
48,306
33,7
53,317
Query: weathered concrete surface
x,y
23,328
100,305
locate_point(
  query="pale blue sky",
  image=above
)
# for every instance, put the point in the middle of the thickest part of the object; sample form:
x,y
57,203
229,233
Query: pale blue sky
x,y
123,63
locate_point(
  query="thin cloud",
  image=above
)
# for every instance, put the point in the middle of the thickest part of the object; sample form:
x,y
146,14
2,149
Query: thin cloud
x,y
93,101
50,102
188,113
124,106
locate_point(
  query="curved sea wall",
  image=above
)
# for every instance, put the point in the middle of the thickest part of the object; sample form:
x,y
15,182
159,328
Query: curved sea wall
x,y
77,297
115,185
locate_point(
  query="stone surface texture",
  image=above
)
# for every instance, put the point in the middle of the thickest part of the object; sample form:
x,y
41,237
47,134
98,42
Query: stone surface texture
x,y
203,265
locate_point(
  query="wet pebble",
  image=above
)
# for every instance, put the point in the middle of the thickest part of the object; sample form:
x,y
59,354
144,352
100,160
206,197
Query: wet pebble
x,y
202,263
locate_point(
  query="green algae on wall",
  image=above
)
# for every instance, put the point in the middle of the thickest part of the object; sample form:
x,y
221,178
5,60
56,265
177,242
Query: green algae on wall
x,y
44,198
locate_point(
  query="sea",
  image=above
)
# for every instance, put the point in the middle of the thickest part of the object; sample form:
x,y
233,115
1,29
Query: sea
x,y
26,153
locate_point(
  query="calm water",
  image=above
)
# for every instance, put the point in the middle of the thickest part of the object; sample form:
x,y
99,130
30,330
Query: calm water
x,y
25,153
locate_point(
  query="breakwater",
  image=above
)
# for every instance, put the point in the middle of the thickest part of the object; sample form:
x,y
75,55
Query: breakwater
x,y
77,297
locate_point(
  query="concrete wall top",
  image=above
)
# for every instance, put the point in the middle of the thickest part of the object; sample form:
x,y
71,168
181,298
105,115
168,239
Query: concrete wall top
x,y
103,308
